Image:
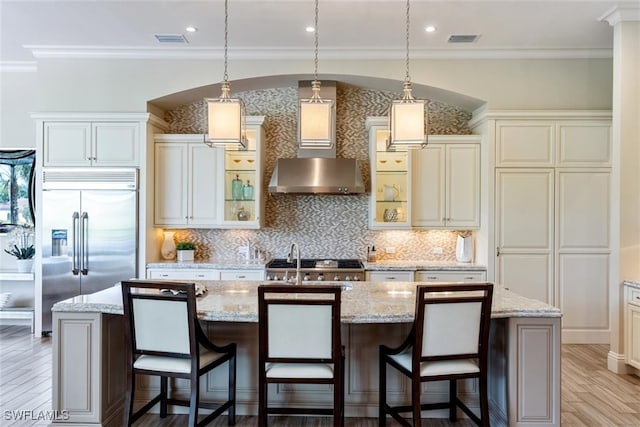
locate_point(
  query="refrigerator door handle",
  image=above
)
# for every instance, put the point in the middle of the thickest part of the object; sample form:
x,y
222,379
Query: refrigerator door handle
x,y
84,240
74,244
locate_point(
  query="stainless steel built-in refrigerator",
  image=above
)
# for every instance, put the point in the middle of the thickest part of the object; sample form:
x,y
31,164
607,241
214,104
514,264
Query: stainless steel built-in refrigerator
x,y
90,231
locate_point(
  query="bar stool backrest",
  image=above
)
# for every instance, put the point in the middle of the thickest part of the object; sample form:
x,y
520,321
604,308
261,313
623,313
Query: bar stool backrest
x,y
162,323
302,331
301,322
452,321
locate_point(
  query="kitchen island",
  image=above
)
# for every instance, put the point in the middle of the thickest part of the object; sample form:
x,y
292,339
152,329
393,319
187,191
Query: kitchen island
x,y
524,362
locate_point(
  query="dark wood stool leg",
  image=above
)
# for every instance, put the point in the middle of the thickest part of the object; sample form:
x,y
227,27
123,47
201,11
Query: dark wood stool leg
x,y
232,391
453,395
415,401
163,398
193,401
128,404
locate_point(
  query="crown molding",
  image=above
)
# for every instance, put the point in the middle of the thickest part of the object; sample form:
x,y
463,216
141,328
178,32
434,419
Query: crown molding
x,y
483,114
618,14
18,66
182,53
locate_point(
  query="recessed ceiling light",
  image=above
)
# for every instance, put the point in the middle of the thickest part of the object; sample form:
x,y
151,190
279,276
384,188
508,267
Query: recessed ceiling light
x,y
310,29
191,29
429,28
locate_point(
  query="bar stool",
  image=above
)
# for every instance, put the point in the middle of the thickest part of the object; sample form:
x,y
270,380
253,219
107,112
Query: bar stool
x,y
448,341
300,342
164,338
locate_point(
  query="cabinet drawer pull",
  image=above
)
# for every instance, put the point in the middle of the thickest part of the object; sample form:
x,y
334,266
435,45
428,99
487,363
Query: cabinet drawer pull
x,y
432,277
241,277
638,297
469,278
199,275
164,275
390,278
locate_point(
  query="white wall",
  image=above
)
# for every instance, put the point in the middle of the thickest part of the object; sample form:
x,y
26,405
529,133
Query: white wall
x,y
126,85
18,91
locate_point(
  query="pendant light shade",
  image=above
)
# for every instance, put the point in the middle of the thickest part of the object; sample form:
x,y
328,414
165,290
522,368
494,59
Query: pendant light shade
x,y
315,115
315,120
407,116
226,115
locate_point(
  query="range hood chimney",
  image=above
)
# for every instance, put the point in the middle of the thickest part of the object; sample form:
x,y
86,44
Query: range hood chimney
x,y
317,170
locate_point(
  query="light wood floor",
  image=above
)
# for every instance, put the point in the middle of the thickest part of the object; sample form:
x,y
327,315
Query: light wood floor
x,y
591,395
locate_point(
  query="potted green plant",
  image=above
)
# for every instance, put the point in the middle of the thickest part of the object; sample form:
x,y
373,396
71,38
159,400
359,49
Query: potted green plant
x,y
185,251
24,257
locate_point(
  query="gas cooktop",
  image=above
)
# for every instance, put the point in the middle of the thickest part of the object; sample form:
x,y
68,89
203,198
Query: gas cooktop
x,y
316,269
320,264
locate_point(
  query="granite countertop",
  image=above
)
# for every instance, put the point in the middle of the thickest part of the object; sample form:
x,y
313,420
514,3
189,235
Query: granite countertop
x,y
632,283
362,302
412,265
208,264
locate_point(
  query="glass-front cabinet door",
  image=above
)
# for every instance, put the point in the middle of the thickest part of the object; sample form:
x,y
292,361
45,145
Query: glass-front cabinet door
x,y
390,205
243,203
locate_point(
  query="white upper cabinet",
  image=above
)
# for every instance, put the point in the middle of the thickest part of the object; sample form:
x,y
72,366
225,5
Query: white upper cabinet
x,y
525,143
584,143
87,143
446,183
194,183
185,176
390,203
242,201
548,143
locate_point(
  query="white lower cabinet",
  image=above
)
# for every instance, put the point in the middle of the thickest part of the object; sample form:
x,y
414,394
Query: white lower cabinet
x,y
184,274
632,320
242,275
450,276
205,274
390,276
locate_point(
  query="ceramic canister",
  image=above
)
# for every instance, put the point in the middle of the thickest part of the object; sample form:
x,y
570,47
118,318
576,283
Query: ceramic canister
x,y
464,248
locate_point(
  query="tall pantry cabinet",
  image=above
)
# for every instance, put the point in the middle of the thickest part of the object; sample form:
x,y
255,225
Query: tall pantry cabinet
x,y
552,215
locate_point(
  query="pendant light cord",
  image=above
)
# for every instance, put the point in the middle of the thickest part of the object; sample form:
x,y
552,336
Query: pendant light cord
x,y
315,74
226,34
407,78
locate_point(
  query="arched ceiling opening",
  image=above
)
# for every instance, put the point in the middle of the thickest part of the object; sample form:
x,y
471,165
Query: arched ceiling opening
x,y
171,101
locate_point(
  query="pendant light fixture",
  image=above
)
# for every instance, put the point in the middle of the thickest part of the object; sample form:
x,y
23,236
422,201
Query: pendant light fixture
x,y
407,122
315,114
226,114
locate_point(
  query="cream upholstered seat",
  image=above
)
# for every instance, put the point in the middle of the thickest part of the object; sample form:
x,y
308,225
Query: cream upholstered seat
x,y
448,341
165,339
300,342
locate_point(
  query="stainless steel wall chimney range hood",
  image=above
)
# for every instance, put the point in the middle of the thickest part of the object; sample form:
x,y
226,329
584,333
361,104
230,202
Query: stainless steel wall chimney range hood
x,y
317,171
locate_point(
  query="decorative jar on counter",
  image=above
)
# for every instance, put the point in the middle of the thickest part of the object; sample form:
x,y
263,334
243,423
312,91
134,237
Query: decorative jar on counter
x,y
168,248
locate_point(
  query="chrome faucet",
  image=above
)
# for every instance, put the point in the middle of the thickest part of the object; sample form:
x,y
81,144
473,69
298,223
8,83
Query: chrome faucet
x,y
295,246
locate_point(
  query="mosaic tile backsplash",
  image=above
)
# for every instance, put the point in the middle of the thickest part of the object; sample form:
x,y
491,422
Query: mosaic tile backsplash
x,y
328,225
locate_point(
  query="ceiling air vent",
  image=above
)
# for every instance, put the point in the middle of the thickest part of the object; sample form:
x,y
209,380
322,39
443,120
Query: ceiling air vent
x,y
463,38
171,38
